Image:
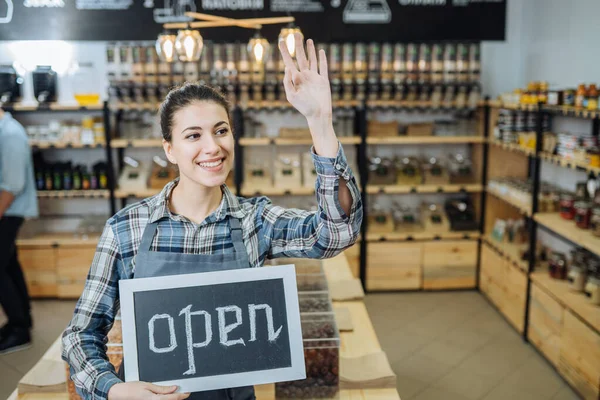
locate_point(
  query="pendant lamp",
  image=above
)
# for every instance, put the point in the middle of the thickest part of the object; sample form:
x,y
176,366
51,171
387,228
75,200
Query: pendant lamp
x,y
258,48
287,35
165,47
188,45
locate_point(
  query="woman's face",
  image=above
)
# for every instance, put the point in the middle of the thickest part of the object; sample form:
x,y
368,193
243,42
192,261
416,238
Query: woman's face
x,y
201,143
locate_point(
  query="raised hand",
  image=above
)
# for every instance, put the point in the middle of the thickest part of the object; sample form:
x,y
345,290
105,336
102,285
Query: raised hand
x,y
307,84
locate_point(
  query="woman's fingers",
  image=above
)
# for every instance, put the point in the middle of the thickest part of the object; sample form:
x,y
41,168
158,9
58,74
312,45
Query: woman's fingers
x,y
300,54
161,389
287,82
285,55
312,55
323,64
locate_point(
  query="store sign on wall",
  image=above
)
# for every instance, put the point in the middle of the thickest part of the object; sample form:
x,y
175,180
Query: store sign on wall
x,y
322,20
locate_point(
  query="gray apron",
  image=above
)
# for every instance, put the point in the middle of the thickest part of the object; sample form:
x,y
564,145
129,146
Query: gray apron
x,y
154,263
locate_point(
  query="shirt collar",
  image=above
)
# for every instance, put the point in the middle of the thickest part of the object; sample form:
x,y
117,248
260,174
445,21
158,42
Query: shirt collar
x,y
230,205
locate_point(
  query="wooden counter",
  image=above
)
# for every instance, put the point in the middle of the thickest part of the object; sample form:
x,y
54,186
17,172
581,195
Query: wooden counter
x,y
361,341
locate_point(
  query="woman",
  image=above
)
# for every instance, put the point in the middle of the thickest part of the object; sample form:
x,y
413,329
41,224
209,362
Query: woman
x,y
196,219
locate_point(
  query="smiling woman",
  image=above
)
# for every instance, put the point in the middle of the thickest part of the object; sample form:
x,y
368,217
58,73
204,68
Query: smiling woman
x,y
197,225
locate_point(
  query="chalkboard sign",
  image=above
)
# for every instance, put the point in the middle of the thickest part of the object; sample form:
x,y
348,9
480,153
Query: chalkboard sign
x,y
323,21
213,330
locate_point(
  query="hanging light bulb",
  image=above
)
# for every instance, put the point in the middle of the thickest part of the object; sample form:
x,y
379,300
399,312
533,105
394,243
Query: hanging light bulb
x,y
189,45
287,35
258,48
165,47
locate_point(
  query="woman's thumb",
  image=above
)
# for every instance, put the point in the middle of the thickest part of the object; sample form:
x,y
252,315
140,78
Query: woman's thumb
x,y
162,389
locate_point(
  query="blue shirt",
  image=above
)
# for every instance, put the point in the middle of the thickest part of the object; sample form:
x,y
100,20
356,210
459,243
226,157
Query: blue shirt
x,y
16,169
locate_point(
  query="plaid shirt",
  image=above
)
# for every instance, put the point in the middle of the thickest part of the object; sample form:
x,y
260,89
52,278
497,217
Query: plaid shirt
x,y
268,232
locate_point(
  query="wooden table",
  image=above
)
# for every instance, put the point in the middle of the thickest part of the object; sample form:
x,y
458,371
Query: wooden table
x,y
361,341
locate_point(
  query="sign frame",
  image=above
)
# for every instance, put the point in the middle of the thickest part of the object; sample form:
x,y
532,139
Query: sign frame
x,y
128,287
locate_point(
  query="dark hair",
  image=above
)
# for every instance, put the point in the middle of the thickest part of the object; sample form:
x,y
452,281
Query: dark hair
x,y
182,96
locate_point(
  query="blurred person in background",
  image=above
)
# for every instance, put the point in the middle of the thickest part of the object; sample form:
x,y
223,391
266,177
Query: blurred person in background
x,y
18,200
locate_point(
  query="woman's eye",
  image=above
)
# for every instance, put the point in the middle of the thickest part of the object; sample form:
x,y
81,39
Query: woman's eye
x,y
193,136
222,131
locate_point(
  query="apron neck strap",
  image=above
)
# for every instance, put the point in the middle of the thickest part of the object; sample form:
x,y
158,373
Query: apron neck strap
x,y
234,224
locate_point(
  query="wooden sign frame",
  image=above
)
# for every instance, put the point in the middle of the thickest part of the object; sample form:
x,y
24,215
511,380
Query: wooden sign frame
x,y
287,273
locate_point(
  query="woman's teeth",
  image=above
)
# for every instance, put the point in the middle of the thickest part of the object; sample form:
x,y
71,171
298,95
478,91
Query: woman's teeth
x,y
211,164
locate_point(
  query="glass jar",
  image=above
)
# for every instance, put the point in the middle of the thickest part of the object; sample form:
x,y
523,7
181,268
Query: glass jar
x,y
577,277
595,221
592,289
583,212
558,265
409,171
86,89
382,171
567,203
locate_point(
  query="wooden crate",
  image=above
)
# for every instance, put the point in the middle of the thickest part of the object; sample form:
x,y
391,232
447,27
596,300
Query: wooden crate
x,y
39,268
73,265
449,264
545,323
579,361
394,266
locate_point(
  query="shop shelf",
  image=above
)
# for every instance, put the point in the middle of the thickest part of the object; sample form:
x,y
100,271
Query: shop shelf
x,y
523,208
510,251
123,143
52,107
569,111
522,107
566,163
568,230
284,105
404,189
412,105
135,106
140,194
263,141
73,194
577,302
47,145
513,147
421,235
58,239
425,139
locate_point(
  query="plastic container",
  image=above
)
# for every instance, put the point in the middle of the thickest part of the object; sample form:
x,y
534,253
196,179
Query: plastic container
x,y
317,302
321,340
311,283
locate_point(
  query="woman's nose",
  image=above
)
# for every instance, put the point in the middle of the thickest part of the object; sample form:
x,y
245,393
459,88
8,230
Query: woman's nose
x,y
210,144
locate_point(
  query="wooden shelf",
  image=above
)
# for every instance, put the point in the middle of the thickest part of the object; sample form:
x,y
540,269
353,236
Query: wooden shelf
x,y
577,302
568,230
73,194
522,107
510,251
46,145
523,208
277,104
513,147
423,235
262,141
566,163
405,189
273,191
123,143
575,112
53,107
138,194
413,105
58,239
425,139
135,106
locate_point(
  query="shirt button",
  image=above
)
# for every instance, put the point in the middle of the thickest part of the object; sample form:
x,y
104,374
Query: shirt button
x,y
338,167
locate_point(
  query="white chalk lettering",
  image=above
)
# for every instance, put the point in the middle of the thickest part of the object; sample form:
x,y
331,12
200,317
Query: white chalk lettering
x,y
188,335
225,329
172,337
269,313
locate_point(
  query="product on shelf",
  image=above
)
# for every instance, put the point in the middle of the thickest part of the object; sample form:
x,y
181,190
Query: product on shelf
x,y
294,133
409,171
461,169
321,341
44,84
288,171
406,220
592,289
258,173
309,173
379,219
583,213
311,282
10,85
89,131
557,265
66,176
567,206
419,129
382,129
162,173
434,218
595,221
134,176
461,214
314,302
382,171
435,172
